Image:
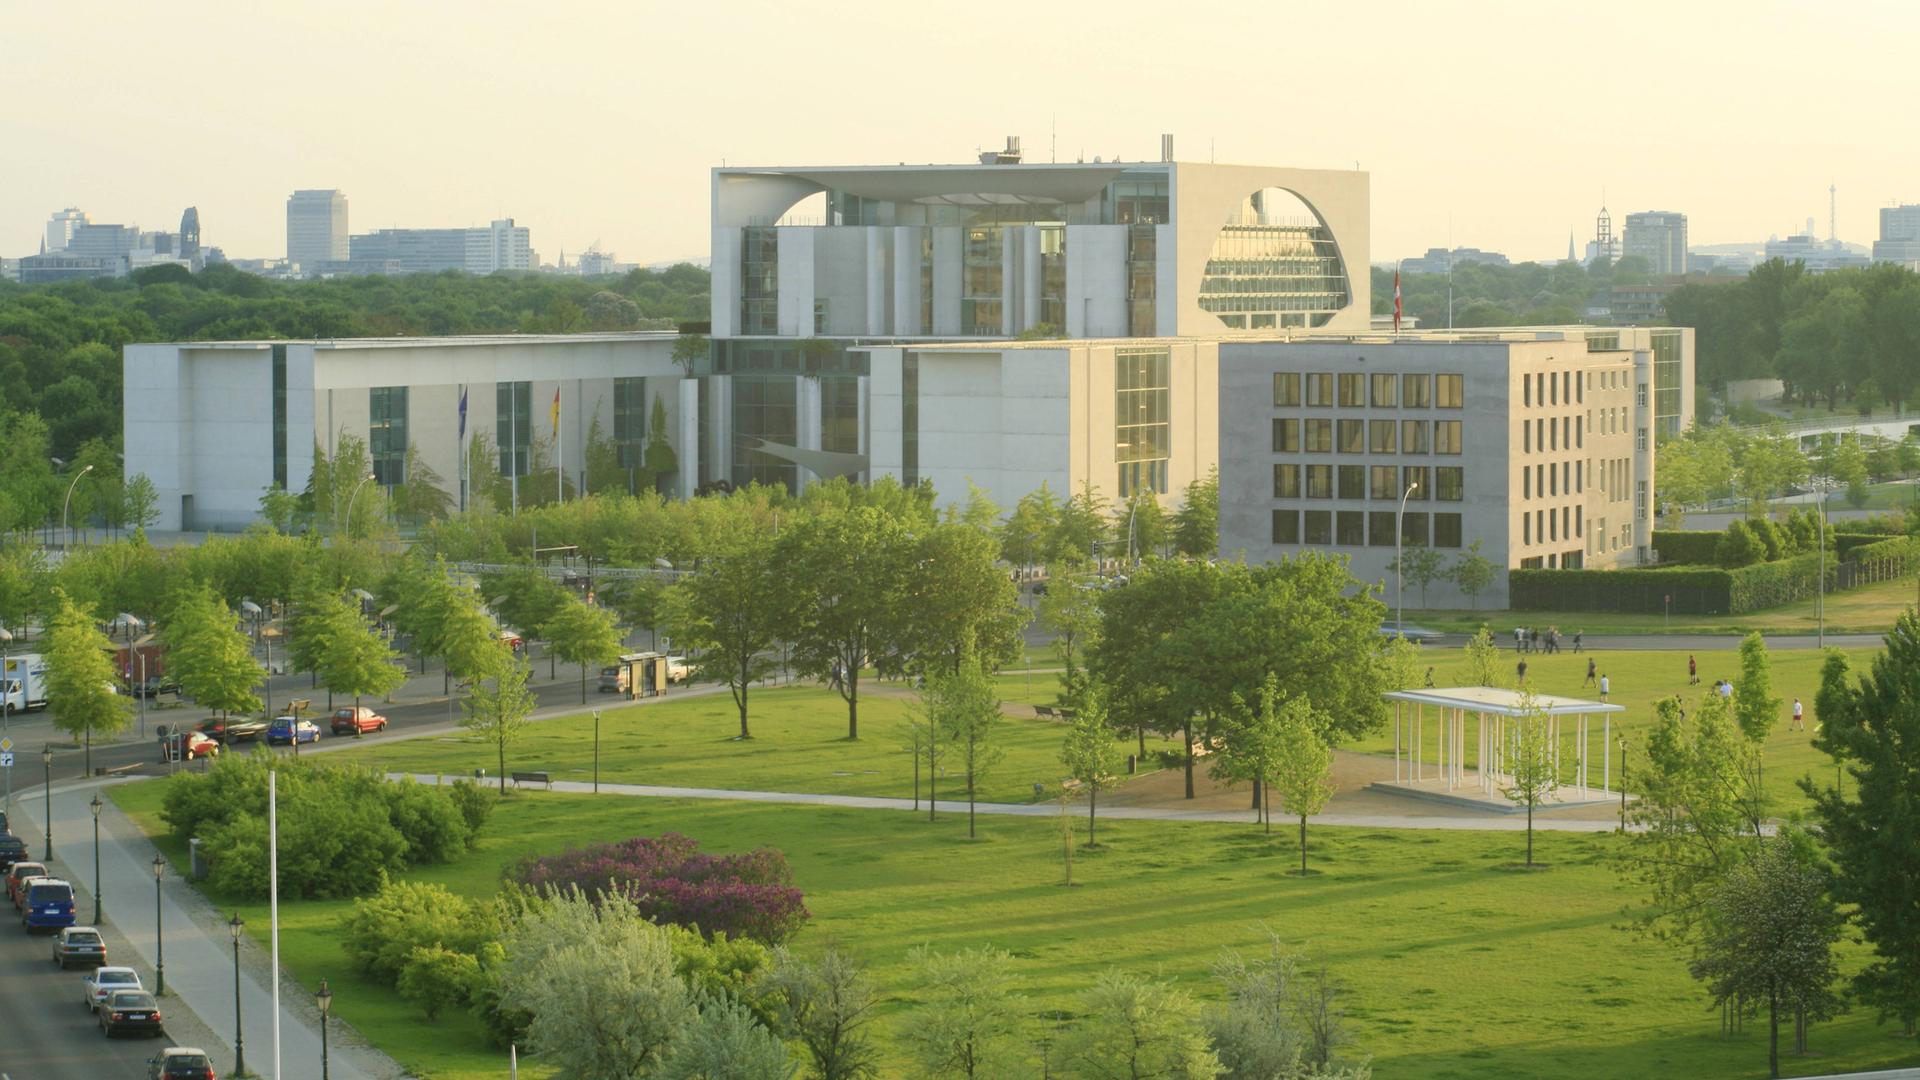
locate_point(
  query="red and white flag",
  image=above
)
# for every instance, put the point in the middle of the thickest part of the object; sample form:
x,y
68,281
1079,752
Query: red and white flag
x,y
1396,299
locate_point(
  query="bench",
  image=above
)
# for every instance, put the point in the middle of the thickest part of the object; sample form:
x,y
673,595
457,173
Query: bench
x,y
1044,712
532,778
298,706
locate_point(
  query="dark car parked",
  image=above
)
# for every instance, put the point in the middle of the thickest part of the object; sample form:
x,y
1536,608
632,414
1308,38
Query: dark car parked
x,y
180,1063
12,850
130,1012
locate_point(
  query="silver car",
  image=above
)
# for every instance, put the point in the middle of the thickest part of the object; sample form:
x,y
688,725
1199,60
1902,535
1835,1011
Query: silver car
x,y
104,981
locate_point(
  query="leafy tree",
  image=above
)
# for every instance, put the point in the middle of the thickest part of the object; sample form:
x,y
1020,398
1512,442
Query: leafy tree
x,y
278,507
1483,658
210,656
1302,764
1252,750
1756,708
827,1007
436,978
727,1040
139,501
658,458
1090,755
979,512
1137,1027
422,496
524,598
640,602
583,634
689,350
1025,538
967,1018
1870,726
847,575
354,658
1082,526
959,595
24,584
1770,931
1281,1020
1419,566
498,713
488,487
605,474
599,984
1532,771
1739,547
965,711
381,931
729,613
1471,573
1070,610
1140,526
80,676
1196,526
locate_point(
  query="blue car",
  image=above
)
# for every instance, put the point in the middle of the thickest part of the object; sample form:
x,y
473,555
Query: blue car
x,y
285,729
49,905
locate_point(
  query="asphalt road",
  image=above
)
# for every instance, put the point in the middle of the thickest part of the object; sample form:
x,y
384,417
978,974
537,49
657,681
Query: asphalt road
x,y
50,1034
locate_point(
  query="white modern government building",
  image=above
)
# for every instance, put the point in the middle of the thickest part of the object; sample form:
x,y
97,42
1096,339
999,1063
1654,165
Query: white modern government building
x,y
1124,325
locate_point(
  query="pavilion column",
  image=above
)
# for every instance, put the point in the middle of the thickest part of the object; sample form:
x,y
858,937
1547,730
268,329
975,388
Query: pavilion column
x,y
1399,727
1606,752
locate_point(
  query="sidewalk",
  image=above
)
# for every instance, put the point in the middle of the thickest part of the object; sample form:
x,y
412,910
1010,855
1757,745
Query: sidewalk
x,y
1477,823
198,946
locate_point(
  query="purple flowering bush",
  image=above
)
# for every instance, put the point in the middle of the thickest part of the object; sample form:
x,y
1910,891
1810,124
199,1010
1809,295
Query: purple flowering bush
x,y
749,895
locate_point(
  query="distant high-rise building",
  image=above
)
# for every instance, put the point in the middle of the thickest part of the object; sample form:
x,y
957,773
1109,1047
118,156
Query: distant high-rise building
x,y
1660,237
1818,255
316,227
60,228
1440,260
1899,236
190,235
90,240
501,245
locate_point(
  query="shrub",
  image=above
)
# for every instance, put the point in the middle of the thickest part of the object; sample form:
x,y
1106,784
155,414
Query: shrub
x,y
1739,547
381,932
1777,542
196,802
744,895
435,978
1686,548
428,819
476,806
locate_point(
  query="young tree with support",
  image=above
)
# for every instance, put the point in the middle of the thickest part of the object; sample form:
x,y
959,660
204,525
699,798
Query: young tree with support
x,y
210,656
354,658
1090,755
965,712
583,634
1302,767
80,676
497,713
846,576
1532,776
1471,573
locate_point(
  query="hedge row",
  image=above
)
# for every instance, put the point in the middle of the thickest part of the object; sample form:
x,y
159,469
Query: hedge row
x,y
1890,558
1700,548
1848,545
1691,590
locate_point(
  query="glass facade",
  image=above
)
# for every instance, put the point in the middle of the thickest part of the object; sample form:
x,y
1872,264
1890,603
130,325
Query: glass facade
x,y
759,280
280,415
1142,419
1142,244
910,419
1053,275
513,426
763,408
630,420
840,414
387,434
1667,420
1286,389
1265,271
981,278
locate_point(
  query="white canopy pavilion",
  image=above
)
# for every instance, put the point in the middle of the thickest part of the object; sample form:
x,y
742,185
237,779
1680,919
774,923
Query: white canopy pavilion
x,y
1457,767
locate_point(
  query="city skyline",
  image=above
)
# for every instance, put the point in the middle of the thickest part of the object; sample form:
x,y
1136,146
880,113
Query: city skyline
x,y
609,136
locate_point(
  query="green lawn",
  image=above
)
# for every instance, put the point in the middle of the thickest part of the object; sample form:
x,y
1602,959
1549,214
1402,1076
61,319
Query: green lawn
x,y
1870,609
1639,679
799,744
1457,966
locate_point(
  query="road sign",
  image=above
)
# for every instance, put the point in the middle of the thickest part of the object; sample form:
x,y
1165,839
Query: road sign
x,y
6,759
6,744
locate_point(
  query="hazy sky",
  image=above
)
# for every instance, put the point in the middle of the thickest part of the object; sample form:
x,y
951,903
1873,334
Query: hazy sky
x,y
598,121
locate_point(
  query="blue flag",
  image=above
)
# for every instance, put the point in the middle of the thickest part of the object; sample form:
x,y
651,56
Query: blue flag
x,y
463,412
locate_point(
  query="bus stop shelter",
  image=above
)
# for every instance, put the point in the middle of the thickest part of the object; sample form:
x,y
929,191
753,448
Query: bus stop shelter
x,y
1455,742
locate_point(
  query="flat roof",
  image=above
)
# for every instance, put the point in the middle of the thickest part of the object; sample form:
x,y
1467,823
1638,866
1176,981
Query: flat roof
x,y
1493,699
431,341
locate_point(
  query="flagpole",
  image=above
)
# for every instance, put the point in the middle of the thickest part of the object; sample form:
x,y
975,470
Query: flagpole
x,y
559,452
273,886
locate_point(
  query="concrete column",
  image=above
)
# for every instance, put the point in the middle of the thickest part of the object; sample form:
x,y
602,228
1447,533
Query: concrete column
x,y
1030,279
806,423
864,399
689,437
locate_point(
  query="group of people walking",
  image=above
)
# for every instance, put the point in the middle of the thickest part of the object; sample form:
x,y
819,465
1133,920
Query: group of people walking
x,y
1530,639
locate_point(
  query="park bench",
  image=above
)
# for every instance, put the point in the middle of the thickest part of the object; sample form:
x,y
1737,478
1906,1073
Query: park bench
x,y
1044,712
298,706
532,778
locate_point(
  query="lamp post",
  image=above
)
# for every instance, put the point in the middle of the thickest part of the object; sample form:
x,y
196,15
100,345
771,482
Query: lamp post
x,y
6,703
1820,578
68,501
46,760
95,807
1399,534
351,498
236,927
323,997
159,941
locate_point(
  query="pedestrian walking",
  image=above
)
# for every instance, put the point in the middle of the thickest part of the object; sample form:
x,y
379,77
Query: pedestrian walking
x,y
1430,681
1605,688
1591,668
1693,671
1799,717
1725,688
1576,639
1520,673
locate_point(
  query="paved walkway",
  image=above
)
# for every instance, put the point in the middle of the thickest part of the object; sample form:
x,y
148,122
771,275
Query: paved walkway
x,y
198,946
1543,820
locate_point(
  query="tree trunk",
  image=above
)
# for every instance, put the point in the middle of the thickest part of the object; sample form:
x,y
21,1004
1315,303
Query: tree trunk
x,y
1093,796
1140,730
916,779
500,744
1256,798
1265,810
933,777
1529,834
853,705
89,757
746,670
970,835
356,715
1187,728
1773,1033
1303,845
583,684
553,664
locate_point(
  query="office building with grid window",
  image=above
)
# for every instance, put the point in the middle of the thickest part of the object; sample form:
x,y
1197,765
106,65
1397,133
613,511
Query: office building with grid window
x,y
1539,445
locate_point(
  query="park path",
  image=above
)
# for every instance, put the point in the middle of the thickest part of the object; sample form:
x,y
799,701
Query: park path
x,y
1488,822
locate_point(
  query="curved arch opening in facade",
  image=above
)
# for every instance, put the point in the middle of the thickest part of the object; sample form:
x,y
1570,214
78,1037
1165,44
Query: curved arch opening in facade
x,y
1274,264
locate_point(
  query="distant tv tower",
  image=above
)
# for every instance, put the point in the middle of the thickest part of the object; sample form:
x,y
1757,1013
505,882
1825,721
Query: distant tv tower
x,y
1833,215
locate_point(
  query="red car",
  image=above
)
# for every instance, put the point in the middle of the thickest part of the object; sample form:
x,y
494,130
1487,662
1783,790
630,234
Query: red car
x,y
187,745
22,871
357,720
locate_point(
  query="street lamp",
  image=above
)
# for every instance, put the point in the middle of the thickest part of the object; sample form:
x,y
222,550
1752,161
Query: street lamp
x,y
46,760
6,703
1820,577
95,807
1399,534
235,927
159,942
323,997
68,501
350,498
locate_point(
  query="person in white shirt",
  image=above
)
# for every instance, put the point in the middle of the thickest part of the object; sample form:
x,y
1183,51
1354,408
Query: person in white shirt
x,y
1605,687
1799,717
